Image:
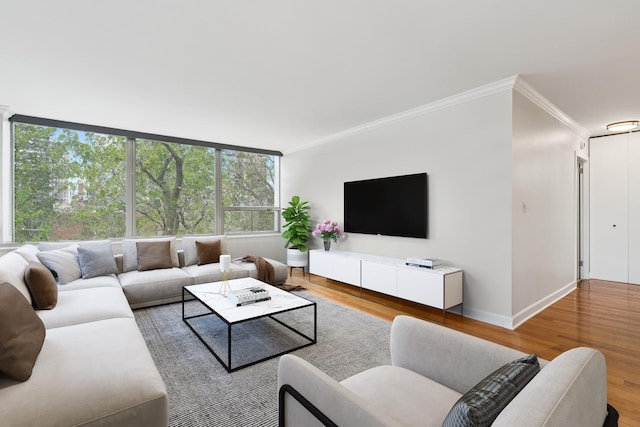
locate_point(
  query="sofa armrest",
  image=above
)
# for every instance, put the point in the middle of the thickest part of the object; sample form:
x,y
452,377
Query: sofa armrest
x,y
569,391
452,358
309,384
119,262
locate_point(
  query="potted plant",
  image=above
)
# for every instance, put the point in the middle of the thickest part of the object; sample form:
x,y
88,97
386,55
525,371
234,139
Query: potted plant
x,y
297,228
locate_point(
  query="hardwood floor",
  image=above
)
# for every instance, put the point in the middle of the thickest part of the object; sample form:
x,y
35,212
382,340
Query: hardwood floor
x,y
598,314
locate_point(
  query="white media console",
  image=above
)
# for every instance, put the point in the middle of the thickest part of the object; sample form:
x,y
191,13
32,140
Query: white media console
x,y
439,287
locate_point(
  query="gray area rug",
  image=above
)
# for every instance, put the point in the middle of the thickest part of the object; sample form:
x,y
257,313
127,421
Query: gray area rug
x,y
202,393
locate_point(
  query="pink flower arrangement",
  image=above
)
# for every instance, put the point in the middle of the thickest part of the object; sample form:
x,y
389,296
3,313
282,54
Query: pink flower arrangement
x,y
328,230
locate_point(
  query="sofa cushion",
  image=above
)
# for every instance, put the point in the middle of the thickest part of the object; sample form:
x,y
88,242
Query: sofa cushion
x,y
402,395
208,252
50,246
63,262
143,288
85,306
21,334
42,286
12,268
28,252
191,251
110,281
153,255
93,374
211,273
130,252
97,260
480,406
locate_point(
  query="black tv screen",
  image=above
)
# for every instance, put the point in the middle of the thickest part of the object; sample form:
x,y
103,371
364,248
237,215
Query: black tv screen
x,y
394,206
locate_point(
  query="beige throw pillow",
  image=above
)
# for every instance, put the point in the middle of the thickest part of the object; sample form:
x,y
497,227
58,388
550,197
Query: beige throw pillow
x,y
42,286
130,253
153,255
21,334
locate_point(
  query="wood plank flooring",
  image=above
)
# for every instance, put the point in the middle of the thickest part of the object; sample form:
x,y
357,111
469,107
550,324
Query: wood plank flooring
x,y
598,314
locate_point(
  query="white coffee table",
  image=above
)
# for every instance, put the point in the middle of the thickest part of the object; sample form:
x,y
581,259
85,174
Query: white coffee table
x,y
219,305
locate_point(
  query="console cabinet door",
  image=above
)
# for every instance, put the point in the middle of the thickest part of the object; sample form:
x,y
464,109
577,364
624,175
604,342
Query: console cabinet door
x,y
379,277
344,269
421,286
319,264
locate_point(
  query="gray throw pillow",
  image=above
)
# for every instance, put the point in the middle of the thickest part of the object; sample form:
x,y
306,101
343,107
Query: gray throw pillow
x,y
63,262
481,405
97,261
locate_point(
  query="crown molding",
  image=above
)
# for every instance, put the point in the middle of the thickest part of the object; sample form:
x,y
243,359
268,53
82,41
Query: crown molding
x,y
536,97
5,111
470,95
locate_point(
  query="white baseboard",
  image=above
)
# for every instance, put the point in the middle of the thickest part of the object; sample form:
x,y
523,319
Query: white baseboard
x,y
488,317
545,302
524,315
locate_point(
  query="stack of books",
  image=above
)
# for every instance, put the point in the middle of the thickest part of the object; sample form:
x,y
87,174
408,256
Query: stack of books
x,y
248,296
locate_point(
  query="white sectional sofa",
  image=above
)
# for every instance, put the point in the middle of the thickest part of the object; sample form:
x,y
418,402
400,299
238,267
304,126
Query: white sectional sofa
x,y
93,367
163,286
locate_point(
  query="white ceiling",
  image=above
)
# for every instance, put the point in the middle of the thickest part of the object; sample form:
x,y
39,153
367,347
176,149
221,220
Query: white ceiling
x,y
281,73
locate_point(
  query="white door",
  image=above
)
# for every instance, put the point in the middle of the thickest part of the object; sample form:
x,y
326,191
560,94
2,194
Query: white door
x,y
609,251
634,208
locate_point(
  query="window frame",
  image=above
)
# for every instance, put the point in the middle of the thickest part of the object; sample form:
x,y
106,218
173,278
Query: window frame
x,y
130,170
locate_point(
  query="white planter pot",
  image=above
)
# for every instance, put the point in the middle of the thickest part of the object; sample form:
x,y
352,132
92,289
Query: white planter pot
x,y
295,258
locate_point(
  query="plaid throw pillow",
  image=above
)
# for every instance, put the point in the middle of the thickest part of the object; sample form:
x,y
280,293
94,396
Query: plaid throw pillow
x,y
483,403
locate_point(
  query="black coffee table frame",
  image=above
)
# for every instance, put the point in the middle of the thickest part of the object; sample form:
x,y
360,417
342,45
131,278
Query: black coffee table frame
x,y
227,364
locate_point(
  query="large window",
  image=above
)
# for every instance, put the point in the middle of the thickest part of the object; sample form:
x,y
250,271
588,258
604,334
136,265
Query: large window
x,y
249,188
77,185
175,189
67,184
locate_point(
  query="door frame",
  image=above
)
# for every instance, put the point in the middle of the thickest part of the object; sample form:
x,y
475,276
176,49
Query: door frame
x,y
582,217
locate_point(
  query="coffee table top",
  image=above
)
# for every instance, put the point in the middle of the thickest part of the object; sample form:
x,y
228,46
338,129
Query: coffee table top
x,y
280,300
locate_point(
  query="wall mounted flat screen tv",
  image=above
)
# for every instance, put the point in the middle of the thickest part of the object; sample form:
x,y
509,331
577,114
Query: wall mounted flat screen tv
x,y
393,206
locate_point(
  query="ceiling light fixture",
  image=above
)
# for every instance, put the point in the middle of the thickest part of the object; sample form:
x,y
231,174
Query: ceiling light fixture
x,y
622,126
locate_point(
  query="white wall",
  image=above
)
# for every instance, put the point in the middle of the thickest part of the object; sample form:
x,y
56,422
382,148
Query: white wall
x,y
466,150
6,167
544,208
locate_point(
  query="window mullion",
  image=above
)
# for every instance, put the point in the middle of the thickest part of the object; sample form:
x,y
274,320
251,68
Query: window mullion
x,y
219,215
130,190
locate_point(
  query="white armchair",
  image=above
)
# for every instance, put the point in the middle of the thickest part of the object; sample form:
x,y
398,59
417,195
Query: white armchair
x,y
432,367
